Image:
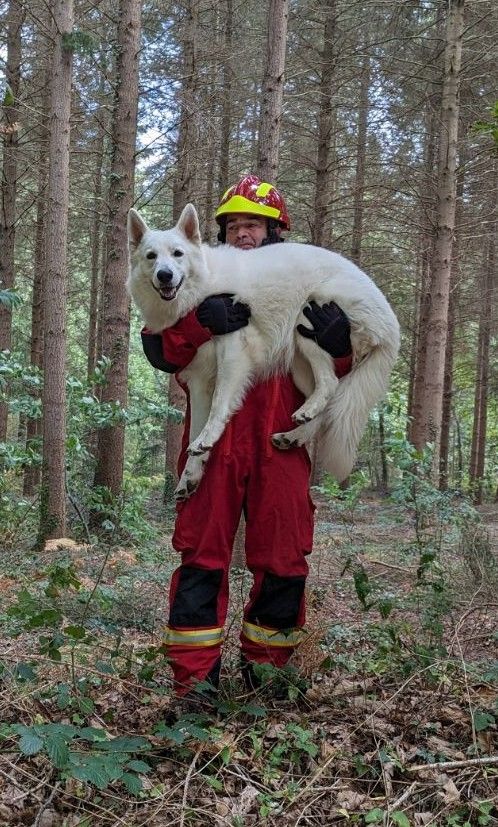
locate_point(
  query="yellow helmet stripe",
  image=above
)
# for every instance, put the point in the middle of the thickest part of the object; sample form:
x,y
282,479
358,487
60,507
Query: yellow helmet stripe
x,y
271,637
237,203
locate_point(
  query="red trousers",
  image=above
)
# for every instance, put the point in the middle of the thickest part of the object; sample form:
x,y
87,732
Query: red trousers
x,y
244,473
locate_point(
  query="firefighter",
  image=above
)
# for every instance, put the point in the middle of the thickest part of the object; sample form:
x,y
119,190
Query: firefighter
x,y
244,473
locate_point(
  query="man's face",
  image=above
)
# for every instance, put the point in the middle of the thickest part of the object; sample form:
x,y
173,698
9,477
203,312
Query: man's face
x,y
246,231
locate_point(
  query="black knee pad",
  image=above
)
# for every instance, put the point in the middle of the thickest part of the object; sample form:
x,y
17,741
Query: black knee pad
x,y
196,599
279,601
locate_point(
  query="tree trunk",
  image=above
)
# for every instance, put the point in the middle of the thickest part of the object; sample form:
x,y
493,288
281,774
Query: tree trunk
x,y
428,427
272,92
447,395
15,18
428,206
116,312
361,149
325,124
226,111
183,192
96,246
453,302
43,47
383,452
53,495
486,289
184,187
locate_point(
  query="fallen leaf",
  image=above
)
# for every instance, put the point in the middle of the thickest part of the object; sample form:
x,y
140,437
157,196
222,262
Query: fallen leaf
x,y
349,800
449,792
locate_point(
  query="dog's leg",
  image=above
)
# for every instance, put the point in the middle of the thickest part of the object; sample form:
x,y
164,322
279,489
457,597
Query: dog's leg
x,y
191,477
325,380
234,367
302,435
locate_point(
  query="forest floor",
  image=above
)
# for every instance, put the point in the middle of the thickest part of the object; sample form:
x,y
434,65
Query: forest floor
x,y
398,724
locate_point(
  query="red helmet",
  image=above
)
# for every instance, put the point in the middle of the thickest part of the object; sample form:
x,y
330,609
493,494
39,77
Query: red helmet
x,y
257,197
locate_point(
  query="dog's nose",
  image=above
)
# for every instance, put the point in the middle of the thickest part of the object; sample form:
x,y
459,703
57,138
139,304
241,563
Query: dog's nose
x,y
164,276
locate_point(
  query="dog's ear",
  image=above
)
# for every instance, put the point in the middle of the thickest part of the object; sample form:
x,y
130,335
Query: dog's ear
x,y
188,224
136,229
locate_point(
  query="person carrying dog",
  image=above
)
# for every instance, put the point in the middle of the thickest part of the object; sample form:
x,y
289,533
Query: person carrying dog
x,y
244,473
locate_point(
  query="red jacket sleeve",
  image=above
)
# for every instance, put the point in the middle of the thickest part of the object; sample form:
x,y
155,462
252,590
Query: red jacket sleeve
x,y
343,365
182,341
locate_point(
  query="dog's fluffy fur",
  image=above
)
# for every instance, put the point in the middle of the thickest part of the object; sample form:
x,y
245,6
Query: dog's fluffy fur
x,y
172,272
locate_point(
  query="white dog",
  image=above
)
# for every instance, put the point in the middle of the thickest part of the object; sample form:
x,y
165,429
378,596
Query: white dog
x,y
172,272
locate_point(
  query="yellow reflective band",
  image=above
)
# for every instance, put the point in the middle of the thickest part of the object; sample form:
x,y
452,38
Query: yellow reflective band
x,y
193,637
271,637
237,203
263,190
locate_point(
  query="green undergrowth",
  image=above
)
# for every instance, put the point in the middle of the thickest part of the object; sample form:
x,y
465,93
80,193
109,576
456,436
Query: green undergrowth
x,y
397,676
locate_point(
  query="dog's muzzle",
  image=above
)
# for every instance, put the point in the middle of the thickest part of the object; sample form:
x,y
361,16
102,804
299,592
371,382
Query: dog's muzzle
x,y
166,290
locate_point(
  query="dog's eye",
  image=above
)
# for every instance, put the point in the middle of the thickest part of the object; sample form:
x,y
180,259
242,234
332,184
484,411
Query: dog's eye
x,y
178,253
151,255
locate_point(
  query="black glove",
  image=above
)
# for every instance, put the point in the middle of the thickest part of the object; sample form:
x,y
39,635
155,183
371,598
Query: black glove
x,y
152,344
221,315
330,328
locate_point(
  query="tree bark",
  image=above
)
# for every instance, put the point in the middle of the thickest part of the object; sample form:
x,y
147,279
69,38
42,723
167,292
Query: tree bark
x,y
183,192
428,427
116,311
486,291
32,473
453,303
226,110
325,126
187,158
96,246
361,149
53,495
421,315
272,92
8,190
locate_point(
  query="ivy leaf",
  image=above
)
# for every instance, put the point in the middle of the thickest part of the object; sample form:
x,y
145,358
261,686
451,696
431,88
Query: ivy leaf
x,y
400,819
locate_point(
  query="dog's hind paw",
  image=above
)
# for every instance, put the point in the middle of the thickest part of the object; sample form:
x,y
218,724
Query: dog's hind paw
x,y
185,489
301,417
283,442
196,449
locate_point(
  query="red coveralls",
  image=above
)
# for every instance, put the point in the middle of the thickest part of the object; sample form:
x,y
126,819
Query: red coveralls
x,y
244,473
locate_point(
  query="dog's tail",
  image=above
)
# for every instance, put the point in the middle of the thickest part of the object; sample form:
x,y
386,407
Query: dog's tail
x,y
346,415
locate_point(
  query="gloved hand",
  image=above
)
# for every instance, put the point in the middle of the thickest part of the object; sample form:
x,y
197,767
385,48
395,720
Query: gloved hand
x,y
221,315
330,328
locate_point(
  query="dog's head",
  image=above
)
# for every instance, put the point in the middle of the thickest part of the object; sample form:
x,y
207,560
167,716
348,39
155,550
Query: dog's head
x,y
165,257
